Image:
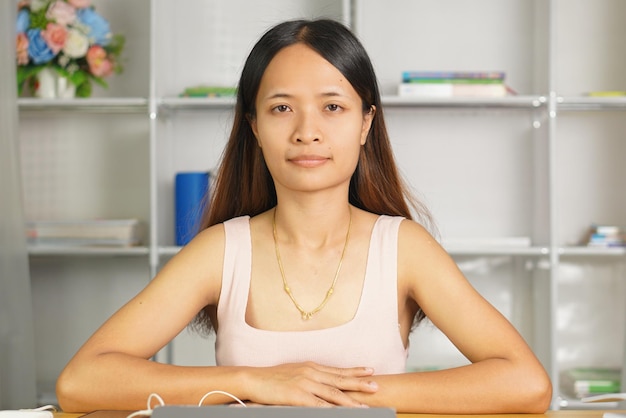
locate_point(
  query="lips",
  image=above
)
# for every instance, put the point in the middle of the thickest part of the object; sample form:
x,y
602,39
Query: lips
x,y
309,160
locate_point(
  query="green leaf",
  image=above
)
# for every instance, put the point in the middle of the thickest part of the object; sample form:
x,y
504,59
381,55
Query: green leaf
x,y
38,19
116,45
77,78
24,73
100,81
83,90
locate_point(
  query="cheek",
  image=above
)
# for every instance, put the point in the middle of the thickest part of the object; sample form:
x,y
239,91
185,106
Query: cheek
x,y
270,131
350,148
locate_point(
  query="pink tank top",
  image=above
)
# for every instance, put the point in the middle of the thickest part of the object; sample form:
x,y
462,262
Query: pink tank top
x,y
371,339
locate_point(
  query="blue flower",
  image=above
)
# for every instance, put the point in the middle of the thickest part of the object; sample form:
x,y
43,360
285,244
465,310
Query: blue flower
x,y
23,20
38,48
98,28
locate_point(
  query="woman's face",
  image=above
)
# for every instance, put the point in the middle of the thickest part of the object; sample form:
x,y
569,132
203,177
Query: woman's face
x,y
310,123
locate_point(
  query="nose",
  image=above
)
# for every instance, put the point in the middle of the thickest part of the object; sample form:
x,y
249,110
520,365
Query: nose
x,y
307,127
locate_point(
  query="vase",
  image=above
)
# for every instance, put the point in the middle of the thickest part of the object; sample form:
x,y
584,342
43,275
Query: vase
x,y
51,85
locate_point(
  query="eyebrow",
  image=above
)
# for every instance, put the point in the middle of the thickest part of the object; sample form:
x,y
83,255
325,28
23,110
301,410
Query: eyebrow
x,y
281,95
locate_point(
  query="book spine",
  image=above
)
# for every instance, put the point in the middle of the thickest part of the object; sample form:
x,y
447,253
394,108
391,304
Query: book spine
x,y
426,80
451,90
411,75
596,386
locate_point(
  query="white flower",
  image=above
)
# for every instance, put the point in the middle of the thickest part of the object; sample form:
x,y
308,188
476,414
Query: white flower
x,y
37,5
63,60
76,45
72,68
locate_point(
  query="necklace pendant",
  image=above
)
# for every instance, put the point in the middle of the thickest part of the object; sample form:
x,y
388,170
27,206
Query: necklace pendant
x,y
303,314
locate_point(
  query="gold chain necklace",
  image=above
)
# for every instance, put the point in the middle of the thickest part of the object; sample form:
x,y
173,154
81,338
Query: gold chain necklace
x,y
307,315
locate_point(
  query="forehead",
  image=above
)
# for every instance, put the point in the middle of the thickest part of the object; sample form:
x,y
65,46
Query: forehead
x,y
299,66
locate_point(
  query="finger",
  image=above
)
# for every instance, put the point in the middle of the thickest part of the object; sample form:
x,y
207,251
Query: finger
x,y
354,384
348,371
332,396
351,379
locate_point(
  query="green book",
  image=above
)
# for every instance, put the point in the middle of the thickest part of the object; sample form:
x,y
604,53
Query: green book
x,y
585,381
209,91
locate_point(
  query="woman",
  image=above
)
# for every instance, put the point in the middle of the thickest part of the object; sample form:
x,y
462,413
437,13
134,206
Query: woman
x,y
309,267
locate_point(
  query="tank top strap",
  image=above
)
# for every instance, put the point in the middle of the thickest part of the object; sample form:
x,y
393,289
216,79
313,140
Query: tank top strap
x,y
237,265
380,292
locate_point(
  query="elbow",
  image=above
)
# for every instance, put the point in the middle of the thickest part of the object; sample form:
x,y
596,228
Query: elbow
x,y
68,392
544,396
538,395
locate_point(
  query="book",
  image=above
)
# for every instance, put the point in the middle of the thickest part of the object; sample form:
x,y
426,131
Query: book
x,y
478,76
453,84
115,232
607,93
582,382
604,236
605,397
209,91
444,89
453,81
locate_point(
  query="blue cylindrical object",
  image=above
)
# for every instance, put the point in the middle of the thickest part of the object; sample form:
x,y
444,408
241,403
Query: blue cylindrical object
x,y
191,190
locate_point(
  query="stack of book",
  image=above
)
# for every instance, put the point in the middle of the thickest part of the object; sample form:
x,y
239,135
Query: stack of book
x,y
101,232
604,236
452,84
581,382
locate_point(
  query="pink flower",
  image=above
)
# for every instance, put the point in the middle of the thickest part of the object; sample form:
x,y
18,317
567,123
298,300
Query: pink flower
x,y
22,48
61,12
99,65
55,36
80,4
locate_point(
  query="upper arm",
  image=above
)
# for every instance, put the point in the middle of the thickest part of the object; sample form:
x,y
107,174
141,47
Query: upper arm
x,y
432,279
187,283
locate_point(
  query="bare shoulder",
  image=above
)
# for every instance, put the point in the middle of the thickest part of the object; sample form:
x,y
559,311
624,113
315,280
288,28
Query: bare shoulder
x,y
207,247
199,264
412,236
422,261
210,238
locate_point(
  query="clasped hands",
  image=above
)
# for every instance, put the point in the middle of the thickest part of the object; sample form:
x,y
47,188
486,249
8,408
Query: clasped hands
x,y
309,384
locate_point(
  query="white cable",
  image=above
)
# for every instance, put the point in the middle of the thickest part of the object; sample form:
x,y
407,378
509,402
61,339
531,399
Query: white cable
x,y
42,408
221,392
148,411
141,413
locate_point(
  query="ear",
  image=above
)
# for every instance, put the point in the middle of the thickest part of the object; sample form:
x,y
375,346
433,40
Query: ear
x,y
252,121
368,118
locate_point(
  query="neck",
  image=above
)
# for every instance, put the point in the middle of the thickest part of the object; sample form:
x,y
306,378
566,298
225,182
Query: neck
x,y
312,225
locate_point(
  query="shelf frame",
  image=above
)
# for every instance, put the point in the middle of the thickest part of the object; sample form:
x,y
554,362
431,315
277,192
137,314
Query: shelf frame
x,y
508,102
583,103
87,105
71,251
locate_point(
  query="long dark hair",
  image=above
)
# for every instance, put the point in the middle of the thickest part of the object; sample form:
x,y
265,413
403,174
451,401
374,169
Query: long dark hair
x,y
244,185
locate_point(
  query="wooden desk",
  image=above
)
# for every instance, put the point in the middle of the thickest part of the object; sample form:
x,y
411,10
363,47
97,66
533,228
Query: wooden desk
x,y
549,414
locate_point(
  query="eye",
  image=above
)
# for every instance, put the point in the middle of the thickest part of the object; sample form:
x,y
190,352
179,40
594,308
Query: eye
x,y
281,108
333,107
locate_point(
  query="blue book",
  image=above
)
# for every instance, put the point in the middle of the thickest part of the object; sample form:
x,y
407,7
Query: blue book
x,y
411,76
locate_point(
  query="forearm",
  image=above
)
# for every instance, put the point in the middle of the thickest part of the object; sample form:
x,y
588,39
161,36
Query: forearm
x,y
119,381
490,386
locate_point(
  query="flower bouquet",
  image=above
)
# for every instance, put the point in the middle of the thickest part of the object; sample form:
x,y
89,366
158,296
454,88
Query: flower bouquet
x,y
68,37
